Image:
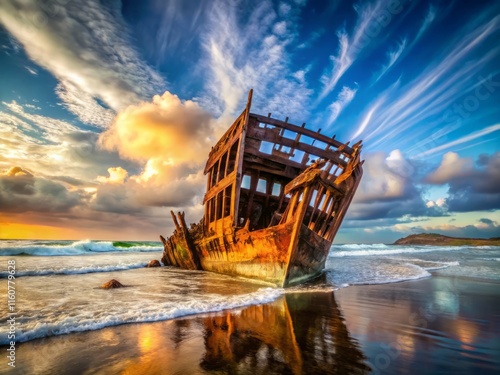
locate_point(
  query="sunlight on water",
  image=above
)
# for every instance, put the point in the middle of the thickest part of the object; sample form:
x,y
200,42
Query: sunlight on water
x,y
61,293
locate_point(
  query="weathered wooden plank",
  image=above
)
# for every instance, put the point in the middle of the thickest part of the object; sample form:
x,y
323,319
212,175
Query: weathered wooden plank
x,y
284,253
301,130
212,159
265,135
273,171
262,156
219,186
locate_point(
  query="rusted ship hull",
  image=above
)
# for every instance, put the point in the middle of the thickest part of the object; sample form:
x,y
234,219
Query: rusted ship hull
x,y
263,255
273,205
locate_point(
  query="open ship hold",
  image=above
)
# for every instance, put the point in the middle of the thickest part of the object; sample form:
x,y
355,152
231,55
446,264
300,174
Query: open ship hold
x,y
276,196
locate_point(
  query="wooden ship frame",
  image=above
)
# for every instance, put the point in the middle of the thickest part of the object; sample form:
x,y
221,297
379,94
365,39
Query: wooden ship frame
x,y
276,196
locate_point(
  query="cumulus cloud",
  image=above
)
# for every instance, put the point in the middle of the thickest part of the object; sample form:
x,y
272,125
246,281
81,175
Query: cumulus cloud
x,y
391,192
472,186
171,139
385,177
21,191
440,202
166,129
17,171
73,43
487,221
116,176
451,167
388,190
153,157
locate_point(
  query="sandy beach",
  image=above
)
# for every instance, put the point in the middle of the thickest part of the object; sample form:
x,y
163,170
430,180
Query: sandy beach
x,y
438,325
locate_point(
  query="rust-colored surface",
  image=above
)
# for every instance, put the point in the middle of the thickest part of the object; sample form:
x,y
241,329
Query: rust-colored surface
x,y
298,338
276,196
178,248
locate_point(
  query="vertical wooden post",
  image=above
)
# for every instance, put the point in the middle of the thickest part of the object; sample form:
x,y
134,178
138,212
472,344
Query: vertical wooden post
x,y
239,157
176,223
298,217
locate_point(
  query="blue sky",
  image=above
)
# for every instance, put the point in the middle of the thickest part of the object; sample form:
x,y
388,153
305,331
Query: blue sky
x,y
108,109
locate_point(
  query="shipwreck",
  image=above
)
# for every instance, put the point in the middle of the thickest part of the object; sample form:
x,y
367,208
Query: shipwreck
x,y
276,196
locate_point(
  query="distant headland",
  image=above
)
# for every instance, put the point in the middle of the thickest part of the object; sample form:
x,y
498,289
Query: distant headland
x,y
440,240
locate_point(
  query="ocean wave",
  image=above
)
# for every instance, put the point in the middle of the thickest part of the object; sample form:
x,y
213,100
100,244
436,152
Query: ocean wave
x,y
340,251
84,247
76,270
429,265
361,271
397,273
490,259
78,320
356,246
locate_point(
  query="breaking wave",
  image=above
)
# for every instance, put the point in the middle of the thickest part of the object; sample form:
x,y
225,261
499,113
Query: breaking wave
x,y
102,314
339,251
85,247
75,270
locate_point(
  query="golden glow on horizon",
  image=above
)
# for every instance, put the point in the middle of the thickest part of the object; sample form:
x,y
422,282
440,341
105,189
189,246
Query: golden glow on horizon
x,y
17,231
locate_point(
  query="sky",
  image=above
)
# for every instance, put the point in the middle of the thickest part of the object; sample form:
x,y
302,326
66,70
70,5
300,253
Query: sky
x,y
108,109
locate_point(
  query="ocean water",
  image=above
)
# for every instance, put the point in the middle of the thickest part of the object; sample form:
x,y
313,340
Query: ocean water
x,y
57,283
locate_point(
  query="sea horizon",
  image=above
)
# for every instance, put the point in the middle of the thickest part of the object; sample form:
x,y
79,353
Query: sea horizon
x,y
59,298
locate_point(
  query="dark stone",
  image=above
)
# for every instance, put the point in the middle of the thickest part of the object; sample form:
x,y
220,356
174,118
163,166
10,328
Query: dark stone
x,y
111,284
153,263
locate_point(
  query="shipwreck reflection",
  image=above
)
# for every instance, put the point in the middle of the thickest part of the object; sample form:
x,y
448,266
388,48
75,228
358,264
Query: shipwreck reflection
x,y
297,334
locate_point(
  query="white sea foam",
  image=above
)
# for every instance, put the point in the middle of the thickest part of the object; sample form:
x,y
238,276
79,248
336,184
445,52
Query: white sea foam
x,y
60,248
75,270
103,314
74,302
429,265
380,270
381,249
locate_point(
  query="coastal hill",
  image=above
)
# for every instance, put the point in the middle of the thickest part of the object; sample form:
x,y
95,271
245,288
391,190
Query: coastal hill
x,y
440,240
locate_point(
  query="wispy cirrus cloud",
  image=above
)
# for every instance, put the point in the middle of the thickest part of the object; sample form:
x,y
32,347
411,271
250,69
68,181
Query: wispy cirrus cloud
x,y
350,46
31,70
252,53
84,105
428,19
49,146
70,41
46,127
431,92
480,133
345,96
393,56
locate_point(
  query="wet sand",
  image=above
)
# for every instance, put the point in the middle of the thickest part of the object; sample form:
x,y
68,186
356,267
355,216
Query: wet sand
x,y
438,325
